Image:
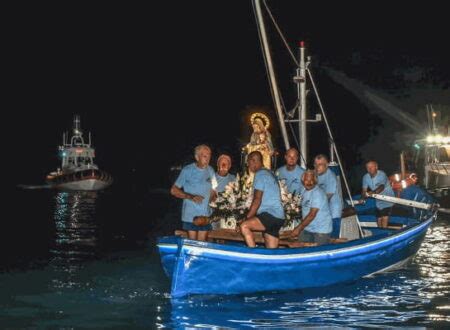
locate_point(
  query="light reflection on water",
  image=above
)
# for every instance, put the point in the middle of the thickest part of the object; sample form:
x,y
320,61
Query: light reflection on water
x,y
81,288
76,235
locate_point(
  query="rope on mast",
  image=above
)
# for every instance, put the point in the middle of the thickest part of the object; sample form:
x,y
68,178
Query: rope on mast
x,y
334,146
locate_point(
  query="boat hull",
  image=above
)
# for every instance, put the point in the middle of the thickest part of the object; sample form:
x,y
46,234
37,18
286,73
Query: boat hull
x,y
85,180
209,268
84,185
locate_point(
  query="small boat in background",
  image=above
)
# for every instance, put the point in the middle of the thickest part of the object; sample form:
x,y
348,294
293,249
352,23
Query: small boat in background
x,y
78,171
431,157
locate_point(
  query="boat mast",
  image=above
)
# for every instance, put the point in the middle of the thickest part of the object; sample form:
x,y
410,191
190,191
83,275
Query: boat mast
x,y
301,88
272,77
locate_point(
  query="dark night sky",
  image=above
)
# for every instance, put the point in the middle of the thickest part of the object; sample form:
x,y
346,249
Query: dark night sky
x,y
151,82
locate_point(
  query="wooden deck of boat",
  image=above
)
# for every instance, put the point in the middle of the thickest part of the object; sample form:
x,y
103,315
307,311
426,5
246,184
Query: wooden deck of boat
x,y
223,235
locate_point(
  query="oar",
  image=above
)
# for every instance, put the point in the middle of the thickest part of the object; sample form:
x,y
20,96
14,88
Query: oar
x,y
407,202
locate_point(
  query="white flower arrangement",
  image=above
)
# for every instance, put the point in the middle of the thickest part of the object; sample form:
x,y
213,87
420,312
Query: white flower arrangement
x,y
291,203
235,200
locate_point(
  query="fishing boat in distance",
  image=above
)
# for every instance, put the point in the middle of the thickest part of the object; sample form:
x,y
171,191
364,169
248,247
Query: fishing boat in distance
x,y
225,265
432,156
78,170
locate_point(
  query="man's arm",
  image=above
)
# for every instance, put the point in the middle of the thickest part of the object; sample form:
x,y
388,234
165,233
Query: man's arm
x,y
256,202
305,222
179,193
364,193
376,191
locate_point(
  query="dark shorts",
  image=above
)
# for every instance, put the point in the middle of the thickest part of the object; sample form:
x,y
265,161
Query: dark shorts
x,y
383,212
310,237
272,224
191,227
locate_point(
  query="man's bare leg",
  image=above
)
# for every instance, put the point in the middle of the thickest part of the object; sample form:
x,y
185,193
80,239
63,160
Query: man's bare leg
x,y
384,221
249,225
202,235
192,234
379,222
271,241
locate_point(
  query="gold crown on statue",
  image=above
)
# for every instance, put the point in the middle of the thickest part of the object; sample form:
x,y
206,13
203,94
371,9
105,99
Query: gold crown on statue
x,y
261,116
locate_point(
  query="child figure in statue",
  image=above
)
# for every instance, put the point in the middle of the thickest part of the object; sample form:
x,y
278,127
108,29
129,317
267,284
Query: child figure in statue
x,y
260,139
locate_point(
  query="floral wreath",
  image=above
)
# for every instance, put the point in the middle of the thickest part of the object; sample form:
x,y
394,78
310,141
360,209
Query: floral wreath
x,y
261,116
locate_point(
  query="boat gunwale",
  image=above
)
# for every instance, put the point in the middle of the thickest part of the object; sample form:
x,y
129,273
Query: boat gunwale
x,y
192,247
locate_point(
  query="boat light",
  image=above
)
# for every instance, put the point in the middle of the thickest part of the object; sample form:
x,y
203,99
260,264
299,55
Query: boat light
x,y
79,151
437,139
404,184
416,146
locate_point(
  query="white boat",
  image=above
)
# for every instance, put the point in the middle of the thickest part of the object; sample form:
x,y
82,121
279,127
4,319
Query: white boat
x,y
432,158
78,170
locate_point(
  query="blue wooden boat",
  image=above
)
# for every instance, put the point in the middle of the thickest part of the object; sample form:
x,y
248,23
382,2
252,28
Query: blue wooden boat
x,y
209,268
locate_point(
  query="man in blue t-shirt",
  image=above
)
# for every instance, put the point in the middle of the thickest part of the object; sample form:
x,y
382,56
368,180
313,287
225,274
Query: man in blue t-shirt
x,y
266,213
291,173
329,183
222,175
415,193
223,178
195,185
316,224
375,181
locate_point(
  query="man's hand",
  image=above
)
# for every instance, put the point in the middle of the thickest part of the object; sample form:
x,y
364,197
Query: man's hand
x,y
238,225
197,199
294,233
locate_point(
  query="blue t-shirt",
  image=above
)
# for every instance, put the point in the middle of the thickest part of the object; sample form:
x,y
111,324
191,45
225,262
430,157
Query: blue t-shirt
x,y
373,183
292,178
317,199
266,182
415,193
222,181
196,181
331,185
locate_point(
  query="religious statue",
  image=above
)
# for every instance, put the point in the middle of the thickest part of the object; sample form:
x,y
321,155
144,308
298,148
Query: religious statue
x,y
260,139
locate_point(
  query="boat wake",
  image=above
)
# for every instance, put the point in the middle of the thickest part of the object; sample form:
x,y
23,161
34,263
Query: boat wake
x,y
29,186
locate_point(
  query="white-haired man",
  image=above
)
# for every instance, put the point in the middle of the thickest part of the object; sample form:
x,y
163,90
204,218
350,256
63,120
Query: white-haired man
x,y
195,185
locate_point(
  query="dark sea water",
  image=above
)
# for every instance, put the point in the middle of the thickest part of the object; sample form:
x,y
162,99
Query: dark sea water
x,y
88,260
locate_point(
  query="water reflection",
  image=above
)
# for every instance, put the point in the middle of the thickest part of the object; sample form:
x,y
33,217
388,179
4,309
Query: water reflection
x,y
76,234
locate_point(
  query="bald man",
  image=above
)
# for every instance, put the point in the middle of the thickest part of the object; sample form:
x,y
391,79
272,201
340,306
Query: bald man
x,y
291,173
316,224
266,213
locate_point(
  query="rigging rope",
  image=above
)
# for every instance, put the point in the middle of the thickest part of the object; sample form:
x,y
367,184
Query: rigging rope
x,y
280,33
334,144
